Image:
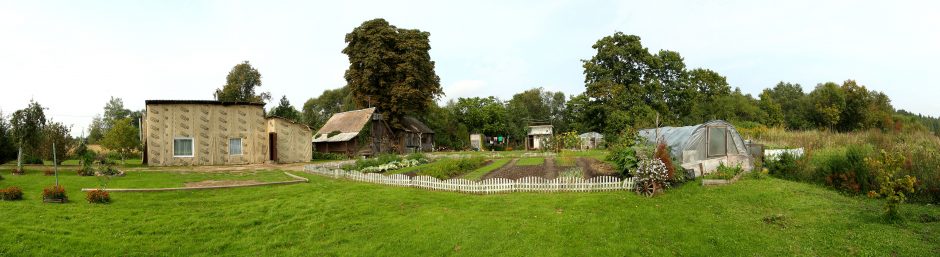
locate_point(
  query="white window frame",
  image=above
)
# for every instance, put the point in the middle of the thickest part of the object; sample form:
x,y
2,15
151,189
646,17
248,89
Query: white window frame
x,y
192,146
241,150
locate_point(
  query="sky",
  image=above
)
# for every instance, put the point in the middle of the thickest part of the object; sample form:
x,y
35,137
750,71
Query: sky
x,y
72,56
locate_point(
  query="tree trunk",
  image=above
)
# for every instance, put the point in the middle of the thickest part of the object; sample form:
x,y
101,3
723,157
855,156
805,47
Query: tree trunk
x,y
19,160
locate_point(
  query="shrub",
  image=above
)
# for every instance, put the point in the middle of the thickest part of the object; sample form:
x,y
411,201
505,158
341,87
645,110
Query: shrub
x,y
54,193
891,187
86,171
651,177
784,166
98,196
416,156
327,156
662,153
11,193
30,159
48,172
624,160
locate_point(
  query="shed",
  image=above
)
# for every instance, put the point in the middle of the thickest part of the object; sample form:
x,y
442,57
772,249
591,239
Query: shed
x,y
703,147
339,133
415,136
538,135
591,140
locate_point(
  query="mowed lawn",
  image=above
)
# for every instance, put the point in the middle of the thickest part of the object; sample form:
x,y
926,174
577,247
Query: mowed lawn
x,y
337,217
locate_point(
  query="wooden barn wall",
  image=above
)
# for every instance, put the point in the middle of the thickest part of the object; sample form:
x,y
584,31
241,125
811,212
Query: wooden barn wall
x,y
293,141
211,127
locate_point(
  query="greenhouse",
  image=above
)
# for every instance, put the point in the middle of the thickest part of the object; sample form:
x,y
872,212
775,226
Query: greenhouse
x,y
701,148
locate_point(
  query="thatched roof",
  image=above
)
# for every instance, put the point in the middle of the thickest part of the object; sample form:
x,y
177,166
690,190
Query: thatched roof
x,y
348,124
410,124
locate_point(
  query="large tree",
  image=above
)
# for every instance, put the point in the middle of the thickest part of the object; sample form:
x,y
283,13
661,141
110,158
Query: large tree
x,y
793,103
122,138
7,145
536,105
483,115
828,102
391,68
27,127
55,134
316,111
285,110
240,85
114,110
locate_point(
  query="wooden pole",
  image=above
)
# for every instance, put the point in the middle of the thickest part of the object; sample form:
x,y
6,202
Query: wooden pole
x,y
55,165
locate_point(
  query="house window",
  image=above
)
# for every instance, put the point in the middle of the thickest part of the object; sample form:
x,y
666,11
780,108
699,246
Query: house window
x,y
717,143
183,147
235,146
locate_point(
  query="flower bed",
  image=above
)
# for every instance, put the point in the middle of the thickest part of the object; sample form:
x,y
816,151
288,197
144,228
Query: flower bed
x,y
723,175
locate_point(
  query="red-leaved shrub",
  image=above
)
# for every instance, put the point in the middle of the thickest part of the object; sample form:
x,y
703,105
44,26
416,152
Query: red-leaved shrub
x,y
11,193
98,196
54,193
663,155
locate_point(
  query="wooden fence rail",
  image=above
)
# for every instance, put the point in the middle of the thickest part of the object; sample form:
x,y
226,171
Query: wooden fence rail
x,y
488,186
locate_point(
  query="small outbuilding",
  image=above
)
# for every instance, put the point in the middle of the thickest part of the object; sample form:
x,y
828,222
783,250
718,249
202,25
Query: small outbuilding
x,y
701,148
591,140
415,136
341,133
538,135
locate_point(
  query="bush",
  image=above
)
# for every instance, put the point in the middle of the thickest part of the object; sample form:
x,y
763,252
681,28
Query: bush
x,y
624,160
48,172
98,196
11,193
662,153
54,193
890,185
327,156
30,159
86,171
785,166
416,156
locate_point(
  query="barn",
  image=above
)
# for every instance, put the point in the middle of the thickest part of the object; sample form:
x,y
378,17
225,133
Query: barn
x,y
365,132
701,148
341,133
206,132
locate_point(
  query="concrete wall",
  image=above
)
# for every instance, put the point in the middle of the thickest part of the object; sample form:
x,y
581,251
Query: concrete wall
x,y
293,140
211,127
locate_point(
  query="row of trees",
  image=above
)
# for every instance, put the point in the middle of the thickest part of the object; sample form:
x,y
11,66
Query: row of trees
x,y
626,86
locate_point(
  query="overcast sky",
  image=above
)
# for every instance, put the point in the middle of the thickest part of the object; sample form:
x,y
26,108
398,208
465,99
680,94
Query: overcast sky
x,y
71,56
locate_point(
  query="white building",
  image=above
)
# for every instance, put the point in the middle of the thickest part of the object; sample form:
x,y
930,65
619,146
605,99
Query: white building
x,y
537,136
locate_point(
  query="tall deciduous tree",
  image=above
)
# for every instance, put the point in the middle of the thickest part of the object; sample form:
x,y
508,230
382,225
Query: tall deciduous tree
x,y
240,85
27,127
285,110
114,110
123,138
391,68
483,115
829,103
56,133
316,111
7,145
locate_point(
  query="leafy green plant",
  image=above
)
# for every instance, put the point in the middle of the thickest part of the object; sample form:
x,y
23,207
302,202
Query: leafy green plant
x,y
530,161
11,193
890,187
575,172
624,160
725,172
784,166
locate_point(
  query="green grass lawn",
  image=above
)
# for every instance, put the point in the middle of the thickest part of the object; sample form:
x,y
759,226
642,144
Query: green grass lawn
x,y
530,161
337,217
565,161
479,173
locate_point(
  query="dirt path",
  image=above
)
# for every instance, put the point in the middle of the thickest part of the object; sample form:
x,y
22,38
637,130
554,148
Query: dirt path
x,y
550,170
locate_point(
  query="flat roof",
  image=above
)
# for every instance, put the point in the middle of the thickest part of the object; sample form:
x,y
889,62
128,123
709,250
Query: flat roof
x,y
209,102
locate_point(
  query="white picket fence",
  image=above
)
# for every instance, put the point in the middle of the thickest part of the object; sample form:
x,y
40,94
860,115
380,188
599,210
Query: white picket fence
x,y
488,186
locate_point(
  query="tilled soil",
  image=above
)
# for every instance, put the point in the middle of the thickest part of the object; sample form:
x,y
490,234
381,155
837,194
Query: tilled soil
x,y
511,171
594,168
